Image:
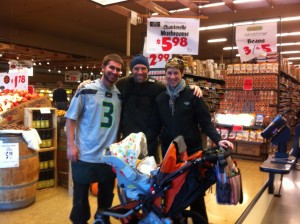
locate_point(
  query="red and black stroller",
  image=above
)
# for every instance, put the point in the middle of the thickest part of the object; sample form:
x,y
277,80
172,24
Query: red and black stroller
x,y
164,196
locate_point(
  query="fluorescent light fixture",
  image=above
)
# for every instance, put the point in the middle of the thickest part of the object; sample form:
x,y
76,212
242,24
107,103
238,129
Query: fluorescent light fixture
x,y
290,52
267,21
288,44
294,58
290,62
215,27
217,40
229,48
290,18
211,5
237,55
288,34
243,23
179,10
108,2
245,1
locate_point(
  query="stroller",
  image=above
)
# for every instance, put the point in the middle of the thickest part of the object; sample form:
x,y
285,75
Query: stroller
x,y
163,197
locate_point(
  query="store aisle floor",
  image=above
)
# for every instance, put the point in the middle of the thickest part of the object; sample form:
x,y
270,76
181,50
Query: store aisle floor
x,y
52,206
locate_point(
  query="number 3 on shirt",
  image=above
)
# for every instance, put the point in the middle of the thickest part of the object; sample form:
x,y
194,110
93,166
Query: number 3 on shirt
x,y
108,110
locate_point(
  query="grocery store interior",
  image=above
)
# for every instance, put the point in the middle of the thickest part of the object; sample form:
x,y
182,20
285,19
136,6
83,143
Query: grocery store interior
x,y
65,40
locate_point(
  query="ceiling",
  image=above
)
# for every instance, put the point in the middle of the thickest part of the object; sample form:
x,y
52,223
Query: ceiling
x,y
82,32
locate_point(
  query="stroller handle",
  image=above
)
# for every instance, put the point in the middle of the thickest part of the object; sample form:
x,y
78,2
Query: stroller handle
x,y
215,154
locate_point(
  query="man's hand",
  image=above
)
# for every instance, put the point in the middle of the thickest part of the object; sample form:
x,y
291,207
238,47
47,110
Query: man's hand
x,y
197,91
72,153
82,84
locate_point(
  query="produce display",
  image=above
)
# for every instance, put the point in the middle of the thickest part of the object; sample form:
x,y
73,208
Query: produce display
x,y
10,98
14,127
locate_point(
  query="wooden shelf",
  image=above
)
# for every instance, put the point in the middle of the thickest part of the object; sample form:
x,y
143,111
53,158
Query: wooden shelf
x,y
47,155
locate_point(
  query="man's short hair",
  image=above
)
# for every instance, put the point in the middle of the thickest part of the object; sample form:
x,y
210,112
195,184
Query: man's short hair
x,y
112,57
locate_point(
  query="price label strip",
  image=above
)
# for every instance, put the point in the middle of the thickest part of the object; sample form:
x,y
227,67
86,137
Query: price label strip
x,y
9,155
172,36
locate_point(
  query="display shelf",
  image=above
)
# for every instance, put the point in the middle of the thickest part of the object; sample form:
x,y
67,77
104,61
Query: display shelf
x,y
212,89
44,120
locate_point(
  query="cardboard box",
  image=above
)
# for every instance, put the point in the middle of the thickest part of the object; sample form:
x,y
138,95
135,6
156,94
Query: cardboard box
x,y
16,114
248,149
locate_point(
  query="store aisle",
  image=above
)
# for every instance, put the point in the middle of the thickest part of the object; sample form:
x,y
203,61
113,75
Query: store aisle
x,y
52,206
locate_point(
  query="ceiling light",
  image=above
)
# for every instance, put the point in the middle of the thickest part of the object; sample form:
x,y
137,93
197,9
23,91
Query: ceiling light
x,y
59,71
215,27
212,5
217,40
290,52
48,63
288,34
288,44
244,1
237,55
229,48
294,58
108,2
290,18
49,70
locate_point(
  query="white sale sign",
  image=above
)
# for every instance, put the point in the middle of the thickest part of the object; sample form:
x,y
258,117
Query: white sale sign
x,y
172,36
255,40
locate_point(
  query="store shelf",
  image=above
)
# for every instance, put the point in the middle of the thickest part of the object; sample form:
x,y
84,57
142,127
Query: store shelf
x,y
44,120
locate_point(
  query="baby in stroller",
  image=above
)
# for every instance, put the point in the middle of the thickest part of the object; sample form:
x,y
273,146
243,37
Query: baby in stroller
x,y
163,197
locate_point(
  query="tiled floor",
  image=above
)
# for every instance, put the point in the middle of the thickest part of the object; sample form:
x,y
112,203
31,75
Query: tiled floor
x,y
52,206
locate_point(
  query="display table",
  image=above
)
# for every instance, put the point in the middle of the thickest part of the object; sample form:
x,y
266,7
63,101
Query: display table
x,y
274,166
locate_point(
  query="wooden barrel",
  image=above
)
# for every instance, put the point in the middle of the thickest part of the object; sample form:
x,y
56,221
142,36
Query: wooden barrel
x,y
18,184
62,160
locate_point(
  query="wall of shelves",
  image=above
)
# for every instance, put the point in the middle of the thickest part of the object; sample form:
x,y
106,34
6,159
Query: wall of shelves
x,y
44,120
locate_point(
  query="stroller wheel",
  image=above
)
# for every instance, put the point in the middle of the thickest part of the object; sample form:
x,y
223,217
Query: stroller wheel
x,y
195,216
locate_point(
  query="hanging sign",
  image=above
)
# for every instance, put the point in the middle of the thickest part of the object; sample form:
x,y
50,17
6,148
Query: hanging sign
x,y
16,80
72,76
256,40
9,155
156,60
172,36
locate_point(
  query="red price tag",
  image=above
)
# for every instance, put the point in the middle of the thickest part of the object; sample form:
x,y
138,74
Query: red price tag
x,y
237,128
167,43
248,84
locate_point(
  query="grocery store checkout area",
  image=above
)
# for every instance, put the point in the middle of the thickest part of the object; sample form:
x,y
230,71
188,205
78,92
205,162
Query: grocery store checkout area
x,y
277,165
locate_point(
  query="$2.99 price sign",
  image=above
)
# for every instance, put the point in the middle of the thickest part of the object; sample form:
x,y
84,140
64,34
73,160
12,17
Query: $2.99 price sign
x,y
167,43
158,60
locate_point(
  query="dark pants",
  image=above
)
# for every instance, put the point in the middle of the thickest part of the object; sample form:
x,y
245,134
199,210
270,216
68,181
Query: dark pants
x,y
199,206
83,175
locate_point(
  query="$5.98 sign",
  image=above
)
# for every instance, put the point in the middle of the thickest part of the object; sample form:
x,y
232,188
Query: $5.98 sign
x,y
172,36
14,81
255,40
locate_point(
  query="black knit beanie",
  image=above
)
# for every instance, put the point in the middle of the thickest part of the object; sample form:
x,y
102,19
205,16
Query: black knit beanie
x,y
139,59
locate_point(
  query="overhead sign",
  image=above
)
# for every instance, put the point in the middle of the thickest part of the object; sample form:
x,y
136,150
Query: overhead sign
x,y
14,81
256,40
156,60
72,76
172,36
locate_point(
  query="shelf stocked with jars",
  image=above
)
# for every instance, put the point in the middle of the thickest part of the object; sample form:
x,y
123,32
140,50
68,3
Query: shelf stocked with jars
x,y
44,120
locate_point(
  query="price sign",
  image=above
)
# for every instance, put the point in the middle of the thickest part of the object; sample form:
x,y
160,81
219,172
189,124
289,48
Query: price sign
x,y
248,84
72,76
14,81
256,40
172,35
158,60
9,155
237,128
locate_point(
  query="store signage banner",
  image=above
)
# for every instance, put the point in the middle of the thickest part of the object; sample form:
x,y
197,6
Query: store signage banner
x,y
72,76
172,36
156,60
256,40
17,80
